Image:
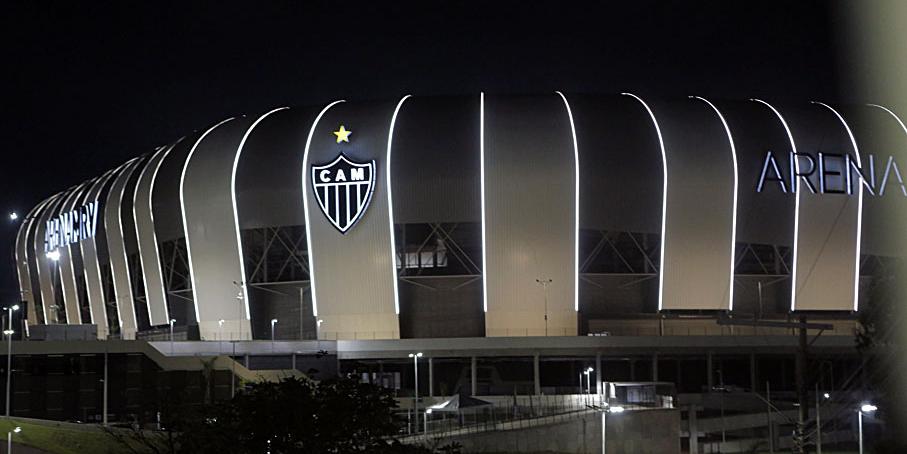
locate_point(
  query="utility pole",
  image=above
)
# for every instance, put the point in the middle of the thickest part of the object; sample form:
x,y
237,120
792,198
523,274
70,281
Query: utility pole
x,y
104,410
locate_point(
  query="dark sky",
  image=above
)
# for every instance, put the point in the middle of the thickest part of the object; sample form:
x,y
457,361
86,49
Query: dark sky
x,y
87,85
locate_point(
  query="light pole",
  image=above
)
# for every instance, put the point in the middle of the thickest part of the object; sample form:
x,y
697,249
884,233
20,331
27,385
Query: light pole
x,y
318,329
9,353
588,373
172,322
415,357
605,411
425,422
545,283
220,329
865,408
9,438
273,322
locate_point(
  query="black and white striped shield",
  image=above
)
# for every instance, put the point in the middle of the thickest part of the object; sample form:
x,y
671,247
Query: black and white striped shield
x,y
343,189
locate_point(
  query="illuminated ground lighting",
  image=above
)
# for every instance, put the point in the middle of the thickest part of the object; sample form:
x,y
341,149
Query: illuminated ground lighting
x,y
242,262
856,150
796,190
575,207
730,139
664,197
183,212
390,204
305,205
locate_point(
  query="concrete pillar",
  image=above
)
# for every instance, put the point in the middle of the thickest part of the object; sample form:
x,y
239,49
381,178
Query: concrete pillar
x,y
711,375
655,367
431,378
694,431
473,374
536,375
598,373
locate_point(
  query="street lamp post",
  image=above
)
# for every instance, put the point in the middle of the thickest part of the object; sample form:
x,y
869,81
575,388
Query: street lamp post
x,y
9,353
9,438
865,408
588,373
415,357
605,412
172,322
273,322
318,329
545,283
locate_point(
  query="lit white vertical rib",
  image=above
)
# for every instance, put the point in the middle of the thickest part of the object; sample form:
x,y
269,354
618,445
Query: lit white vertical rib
x,y
305,206
390,203
183,212
664,199
242,262
796,190
730,139
575,205
135,216
157,252
482,191
856,151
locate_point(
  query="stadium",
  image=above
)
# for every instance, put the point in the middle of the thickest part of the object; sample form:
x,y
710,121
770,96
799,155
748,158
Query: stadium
x,y
527,236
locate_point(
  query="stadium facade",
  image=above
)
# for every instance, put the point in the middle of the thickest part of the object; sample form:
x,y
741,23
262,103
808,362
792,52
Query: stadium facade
x,y
475,216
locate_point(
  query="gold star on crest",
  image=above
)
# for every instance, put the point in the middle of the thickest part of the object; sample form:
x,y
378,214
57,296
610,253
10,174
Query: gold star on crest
x,y
343,135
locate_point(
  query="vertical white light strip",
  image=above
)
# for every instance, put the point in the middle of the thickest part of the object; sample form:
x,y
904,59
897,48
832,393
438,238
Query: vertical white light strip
x,y
305,205
65,247
796,189
664,199
730,139
135,217
856,151
116,296
482,191
390,204
575,205
157,252
183,212
896,118
242,261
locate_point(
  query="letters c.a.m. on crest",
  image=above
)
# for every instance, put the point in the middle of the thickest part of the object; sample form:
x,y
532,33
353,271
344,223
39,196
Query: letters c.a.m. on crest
x,y
343,189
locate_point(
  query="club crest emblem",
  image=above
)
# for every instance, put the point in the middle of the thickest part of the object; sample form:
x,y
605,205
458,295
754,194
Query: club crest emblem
x,y
343,189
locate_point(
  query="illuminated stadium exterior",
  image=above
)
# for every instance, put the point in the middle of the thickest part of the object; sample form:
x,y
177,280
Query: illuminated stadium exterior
x,y
475,216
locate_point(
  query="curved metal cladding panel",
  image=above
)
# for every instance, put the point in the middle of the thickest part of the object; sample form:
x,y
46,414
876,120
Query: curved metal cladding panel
x,y
67,260
168,227
765,215
268,194
699,218
23,269
116,246
35,244
211,233
620,187
827,225
435,177
530,212
354,277
47,269
91,261
165,195
880,132
153,279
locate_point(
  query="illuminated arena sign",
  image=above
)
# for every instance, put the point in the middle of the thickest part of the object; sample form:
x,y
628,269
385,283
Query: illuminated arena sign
x,y
71,227
830,173
343,189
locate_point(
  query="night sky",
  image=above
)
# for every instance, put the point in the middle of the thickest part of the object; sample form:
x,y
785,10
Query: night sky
x,y
87,85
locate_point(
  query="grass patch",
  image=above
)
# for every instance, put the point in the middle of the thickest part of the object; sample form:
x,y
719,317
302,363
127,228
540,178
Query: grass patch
x,y
59,438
